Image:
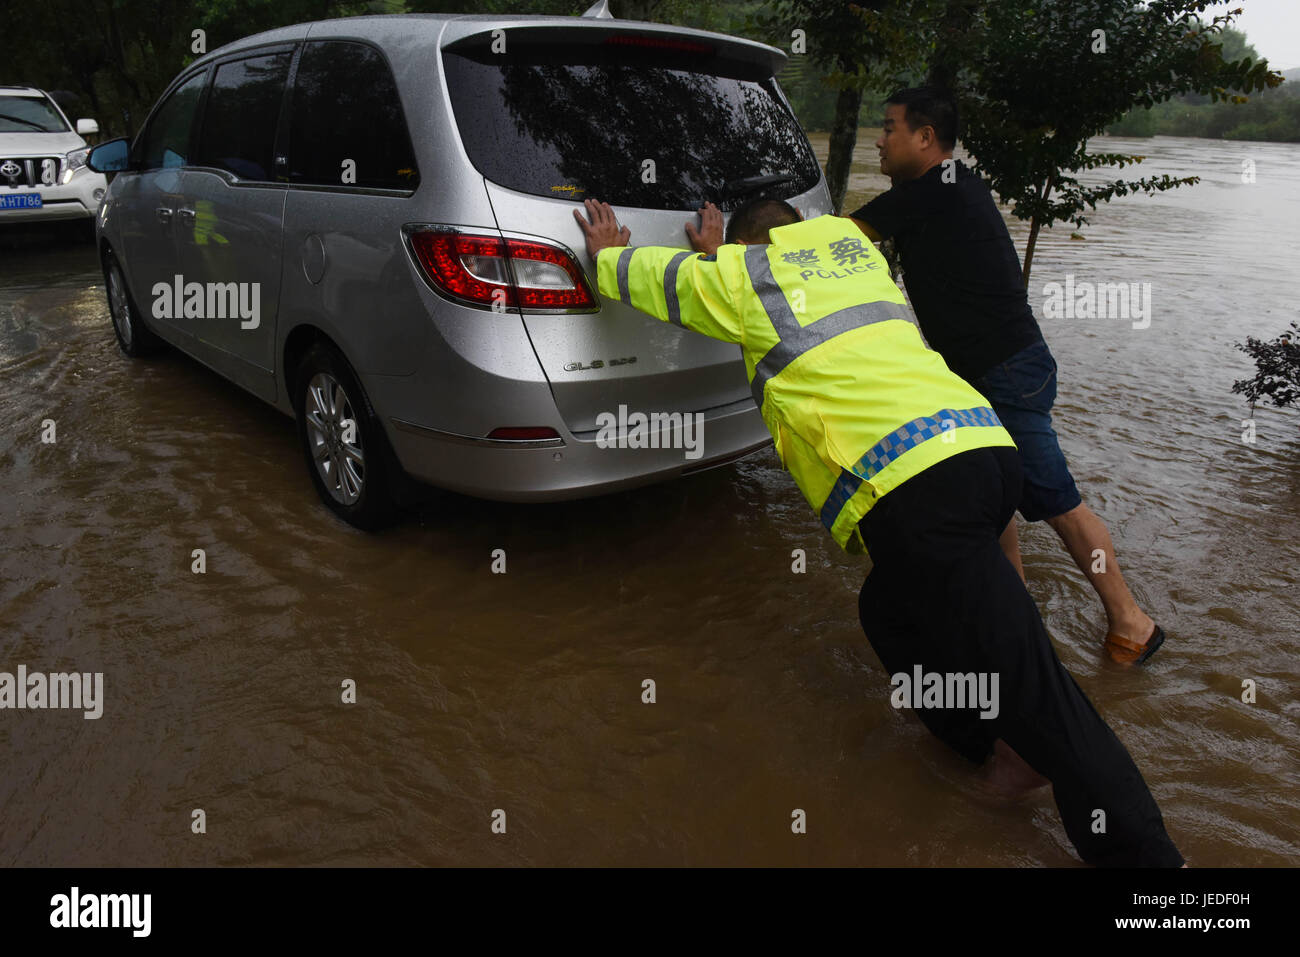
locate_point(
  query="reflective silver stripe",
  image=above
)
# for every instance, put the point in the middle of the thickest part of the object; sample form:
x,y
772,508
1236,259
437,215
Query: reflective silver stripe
x,y
769,293
624,261
670,288
815,333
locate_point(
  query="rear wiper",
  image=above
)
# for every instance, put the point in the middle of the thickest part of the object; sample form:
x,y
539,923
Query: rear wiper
x,y
752,184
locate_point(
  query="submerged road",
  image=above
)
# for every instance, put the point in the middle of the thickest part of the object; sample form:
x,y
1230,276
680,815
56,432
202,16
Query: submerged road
x,y
523,691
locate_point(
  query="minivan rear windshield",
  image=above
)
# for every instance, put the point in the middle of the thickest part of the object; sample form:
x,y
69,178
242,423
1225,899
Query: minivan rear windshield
x,y
634,126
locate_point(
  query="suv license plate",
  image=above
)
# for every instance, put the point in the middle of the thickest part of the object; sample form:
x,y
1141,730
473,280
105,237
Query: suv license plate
x,y
21,201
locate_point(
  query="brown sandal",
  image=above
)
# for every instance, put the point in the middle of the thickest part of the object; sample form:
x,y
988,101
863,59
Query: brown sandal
x,y
1126,651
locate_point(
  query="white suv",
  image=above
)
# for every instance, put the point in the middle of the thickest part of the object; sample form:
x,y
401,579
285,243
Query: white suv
x,y
43,172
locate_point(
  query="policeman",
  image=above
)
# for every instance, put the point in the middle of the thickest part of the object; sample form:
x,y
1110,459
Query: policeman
x,y
903,459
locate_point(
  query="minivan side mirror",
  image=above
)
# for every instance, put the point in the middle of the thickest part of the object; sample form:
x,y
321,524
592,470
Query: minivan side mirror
x,y
111,157
86,127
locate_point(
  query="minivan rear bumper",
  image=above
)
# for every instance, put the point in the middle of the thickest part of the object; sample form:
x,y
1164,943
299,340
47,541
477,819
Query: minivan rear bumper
x,y
574,465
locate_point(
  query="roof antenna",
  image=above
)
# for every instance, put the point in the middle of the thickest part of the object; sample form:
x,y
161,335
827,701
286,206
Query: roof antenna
x,y
599,11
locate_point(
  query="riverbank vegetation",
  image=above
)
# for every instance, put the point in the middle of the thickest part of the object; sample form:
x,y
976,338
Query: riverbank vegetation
x,y
1272,115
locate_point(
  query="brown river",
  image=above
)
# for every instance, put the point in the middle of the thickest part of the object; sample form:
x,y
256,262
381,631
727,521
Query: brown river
x,y
521,693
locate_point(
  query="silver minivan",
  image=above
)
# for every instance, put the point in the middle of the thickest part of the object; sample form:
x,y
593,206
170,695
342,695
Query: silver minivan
x,y
368,223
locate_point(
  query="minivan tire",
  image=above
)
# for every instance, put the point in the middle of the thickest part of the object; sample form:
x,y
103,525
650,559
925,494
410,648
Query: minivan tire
x,y
327,393
133,336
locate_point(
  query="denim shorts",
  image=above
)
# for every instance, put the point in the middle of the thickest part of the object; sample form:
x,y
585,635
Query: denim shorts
x,y
1021,391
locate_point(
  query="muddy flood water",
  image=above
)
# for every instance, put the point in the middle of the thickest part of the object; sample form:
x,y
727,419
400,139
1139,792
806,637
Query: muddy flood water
x,y
522,691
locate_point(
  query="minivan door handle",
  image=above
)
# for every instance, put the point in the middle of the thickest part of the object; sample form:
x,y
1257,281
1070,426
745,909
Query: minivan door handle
x,y
187,215
164,215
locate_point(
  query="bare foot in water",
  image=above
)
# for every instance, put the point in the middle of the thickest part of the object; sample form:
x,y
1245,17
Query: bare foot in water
x,y
1007,773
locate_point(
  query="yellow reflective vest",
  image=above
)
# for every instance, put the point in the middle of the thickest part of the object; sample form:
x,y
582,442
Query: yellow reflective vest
x,y
856,402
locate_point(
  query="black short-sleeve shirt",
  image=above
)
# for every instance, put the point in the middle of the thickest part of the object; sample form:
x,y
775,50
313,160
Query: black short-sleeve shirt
x,y
959,265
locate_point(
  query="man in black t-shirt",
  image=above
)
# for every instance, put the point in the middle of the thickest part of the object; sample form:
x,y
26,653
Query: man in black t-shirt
x,y
964,280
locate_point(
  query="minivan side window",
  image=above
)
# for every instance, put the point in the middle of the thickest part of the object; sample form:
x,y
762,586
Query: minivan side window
x,y
243,109
346,108
166,140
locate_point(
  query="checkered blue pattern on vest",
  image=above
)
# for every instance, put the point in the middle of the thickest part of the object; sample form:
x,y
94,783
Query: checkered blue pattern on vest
x,y
905,437
913,433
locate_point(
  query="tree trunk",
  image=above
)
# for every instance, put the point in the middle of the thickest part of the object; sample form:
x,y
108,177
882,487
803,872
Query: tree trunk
x,y
1029,249
1034,225
844,136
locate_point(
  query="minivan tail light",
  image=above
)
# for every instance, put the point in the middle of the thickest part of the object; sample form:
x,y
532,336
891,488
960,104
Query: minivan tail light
x,y
507,273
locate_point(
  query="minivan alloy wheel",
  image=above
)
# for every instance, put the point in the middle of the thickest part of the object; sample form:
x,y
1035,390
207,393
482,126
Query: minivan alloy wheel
x,y
335,438
135,338
119,306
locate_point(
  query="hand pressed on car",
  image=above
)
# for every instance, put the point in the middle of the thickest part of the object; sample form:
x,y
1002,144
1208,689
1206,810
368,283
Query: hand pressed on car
x,y
602,229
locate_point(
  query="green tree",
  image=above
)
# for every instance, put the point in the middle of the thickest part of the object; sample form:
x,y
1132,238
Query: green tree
x,y
1038,80
1236,46
1277,364
119,55
858,46
1172,116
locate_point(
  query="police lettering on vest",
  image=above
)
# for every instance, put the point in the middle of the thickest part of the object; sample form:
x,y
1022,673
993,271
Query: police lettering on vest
x,y
854,399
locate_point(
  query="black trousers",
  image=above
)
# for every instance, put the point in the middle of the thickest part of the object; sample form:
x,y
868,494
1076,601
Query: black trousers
x,y
943,595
